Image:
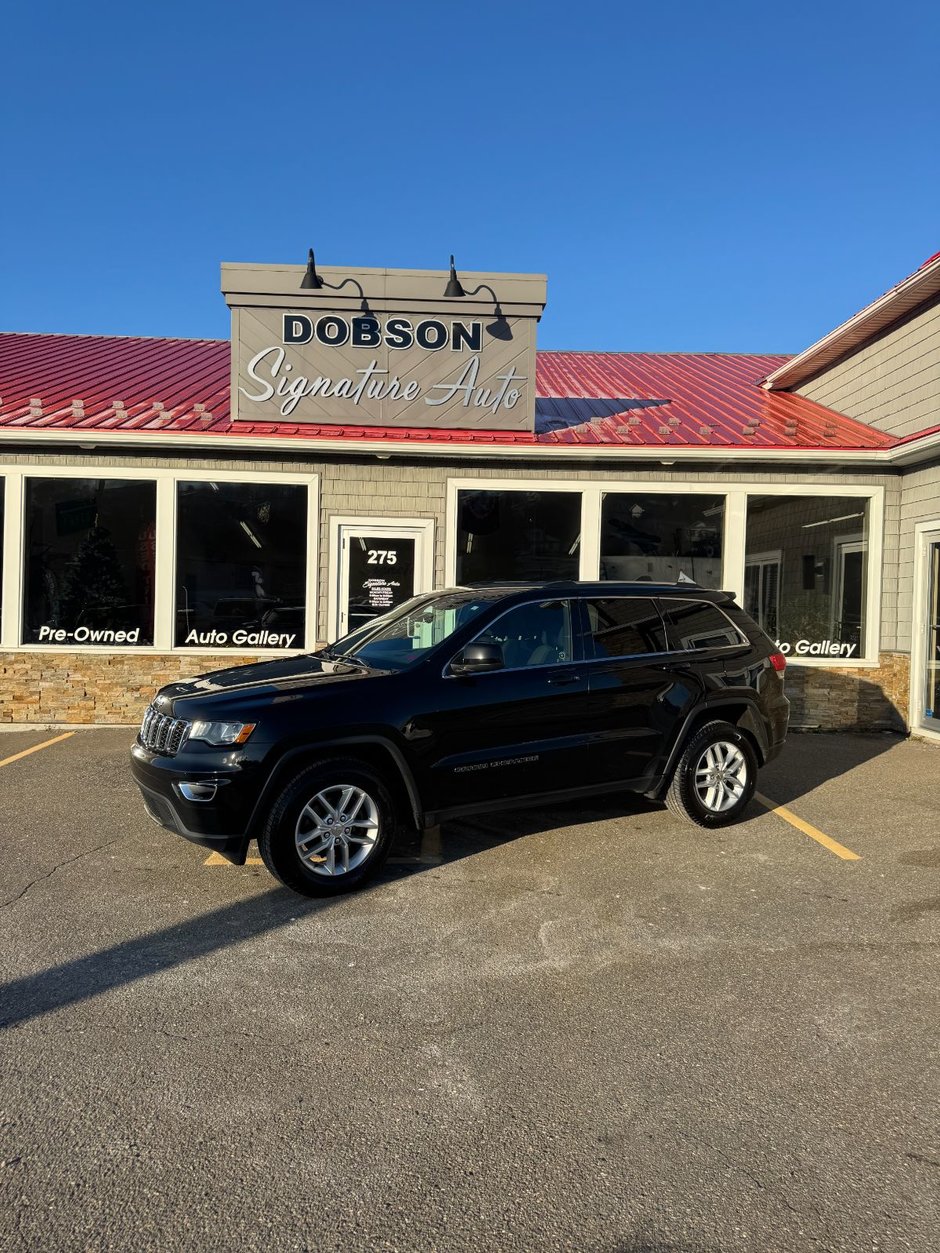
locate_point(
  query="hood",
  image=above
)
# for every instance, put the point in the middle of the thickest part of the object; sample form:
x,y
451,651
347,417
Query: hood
x,y
260,681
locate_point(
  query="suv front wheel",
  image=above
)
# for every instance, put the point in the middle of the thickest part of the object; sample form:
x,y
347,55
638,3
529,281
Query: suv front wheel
x,y
716,776
330,829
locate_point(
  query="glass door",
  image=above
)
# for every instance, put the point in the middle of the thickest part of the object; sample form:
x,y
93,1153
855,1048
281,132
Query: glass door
x,y
380,566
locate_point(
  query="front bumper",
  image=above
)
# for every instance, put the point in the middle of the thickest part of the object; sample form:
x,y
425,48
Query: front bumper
x,y
221,823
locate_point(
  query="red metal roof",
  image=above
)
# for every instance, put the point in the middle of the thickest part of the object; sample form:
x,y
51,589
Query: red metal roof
x,y
181,387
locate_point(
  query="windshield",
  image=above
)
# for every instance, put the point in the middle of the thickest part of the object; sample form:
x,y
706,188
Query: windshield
x,y
403,637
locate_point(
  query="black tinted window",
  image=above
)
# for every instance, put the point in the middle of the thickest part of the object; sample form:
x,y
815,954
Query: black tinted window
x,y
623,627
532,635
90,549
241,565
695,624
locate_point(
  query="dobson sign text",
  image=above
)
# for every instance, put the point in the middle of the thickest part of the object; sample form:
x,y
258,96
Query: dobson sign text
x,y
366,362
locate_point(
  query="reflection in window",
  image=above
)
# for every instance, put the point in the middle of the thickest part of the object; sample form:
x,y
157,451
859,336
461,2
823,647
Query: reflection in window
x,y
694,624
89,576
626,627
806,572
241,559
655,537
762,590
518,535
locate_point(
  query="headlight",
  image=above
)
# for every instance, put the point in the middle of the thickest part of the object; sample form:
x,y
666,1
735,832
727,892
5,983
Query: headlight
x,y
219,733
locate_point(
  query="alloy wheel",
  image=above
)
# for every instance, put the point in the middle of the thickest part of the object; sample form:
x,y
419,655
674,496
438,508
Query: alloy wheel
x,y
721,776
337,830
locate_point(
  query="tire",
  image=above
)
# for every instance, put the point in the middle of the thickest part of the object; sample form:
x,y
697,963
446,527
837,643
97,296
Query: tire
x,y
715,777
304,845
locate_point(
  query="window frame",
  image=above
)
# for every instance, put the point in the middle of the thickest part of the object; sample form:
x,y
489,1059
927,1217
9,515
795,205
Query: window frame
x,y
734,535
166,480
575,623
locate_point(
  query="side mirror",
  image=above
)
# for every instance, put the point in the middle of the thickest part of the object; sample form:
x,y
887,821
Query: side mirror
x,y
477,658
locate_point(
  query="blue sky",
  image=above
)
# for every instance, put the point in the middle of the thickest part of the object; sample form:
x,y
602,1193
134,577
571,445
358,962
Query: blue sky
x,y
691,176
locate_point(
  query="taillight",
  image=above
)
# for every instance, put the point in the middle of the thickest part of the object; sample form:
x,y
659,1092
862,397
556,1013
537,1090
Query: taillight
x,y
778,661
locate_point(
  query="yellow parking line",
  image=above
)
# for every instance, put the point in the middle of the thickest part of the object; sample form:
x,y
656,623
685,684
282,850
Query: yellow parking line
x,y
216,859
36,747
813,832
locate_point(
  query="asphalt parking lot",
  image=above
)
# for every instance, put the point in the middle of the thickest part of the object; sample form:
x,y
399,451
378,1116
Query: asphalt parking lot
x,y
592,1028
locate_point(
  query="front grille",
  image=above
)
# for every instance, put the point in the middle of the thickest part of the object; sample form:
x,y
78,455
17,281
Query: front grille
x,y
162,734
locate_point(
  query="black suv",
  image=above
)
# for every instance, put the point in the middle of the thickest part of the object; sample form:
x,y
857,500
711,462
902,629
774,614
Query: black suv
x,y
460,701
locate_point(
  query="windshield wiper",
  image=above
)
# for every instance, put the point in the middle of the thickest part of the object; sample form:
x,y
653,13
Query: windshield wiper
x,y
330,654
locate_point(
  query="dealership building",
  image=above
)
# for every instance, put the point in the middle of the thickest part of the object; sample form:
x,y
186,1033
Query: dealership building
x,y
170,506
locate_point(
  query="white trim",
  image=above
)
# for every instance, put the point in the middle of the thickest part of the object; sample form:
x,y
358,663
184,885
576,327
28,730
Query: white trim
x,y
663,454
421,530
165,479
925,534
734,539
877,316
12,562
734,543
591,505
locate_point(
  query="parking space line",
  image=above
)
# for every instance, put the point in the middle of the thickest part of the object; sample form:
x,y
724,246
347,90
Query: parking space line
x,y
36,747
216,859
813,832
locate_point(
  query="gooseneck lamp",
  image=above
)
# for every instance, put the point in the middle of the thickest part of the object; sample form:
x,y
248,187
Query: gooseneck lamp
x,y
500,329
454,286
311,278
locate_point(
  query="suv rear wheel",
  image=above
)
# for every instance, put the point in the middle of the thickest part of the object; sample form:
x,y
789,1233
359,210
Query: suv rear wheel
x,y
716,776
330,829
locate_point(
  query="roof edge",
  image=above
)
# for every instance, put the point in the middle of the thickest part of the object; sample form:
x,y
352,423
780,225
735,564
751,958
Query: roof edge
x,y
902,299
667,454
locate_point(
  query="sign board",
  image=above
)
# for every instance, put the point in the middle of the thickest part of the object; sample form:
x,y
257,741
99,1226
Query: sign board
x,y
381,576
383,348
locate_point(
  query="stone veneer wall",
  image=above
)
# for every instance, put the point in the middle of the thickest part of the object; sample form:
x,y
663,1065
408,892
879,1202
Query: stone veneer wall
x,y
837,699
93,687
116,688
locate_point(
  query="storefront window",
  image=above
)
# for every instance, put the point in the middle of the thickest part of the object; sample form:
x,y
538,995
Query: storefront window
x,y
657,536
89,576
518,535
806,572
241,565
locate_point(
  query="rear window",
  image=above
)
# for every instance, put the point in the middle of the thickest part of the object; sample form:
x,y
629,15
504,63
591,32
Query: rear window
x,y
695,624
625,626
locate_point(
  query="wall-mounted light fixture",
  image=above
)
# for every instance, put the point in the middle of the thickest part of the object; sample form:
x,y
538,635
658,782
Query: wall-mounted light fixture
x,y
312,279
500,329
454,286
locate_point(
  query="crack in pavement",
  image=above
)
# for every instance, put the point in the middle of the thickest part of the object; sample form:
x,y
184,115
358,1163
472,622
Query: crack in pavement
x,y
49,873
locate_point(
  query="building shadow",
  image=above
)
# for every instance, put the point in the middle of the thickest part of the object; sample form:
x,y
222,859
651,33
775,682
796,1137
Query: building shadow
x,y
810,759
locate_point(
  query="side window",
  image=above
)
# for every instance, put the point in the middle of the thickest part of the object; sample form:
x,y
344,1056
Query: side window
x,y
625,627
695,624
532,635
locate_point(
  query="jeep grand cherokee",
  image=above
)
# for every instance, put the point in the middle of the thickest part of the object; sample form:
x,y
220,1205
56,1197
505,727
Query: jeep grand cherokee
x,y
471,699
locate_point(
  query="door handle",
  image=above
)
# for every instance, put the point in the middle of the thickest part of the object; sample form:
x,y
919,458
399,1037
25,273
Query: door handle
x,y
564,680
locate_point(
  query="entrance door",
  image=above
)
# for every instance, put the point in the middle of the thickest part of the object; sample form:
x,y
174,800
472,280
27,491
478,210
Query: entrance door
x,y
378,565
929,680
